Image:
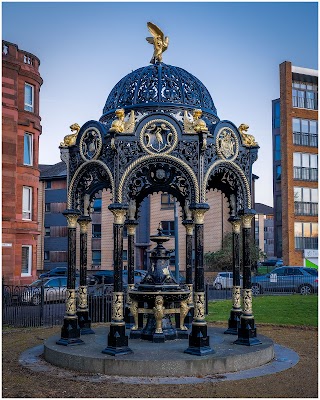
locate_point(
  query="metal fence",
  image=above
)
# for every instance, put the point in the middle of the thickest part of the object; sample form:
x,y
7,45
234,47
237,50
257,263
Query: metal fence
x,y
23,306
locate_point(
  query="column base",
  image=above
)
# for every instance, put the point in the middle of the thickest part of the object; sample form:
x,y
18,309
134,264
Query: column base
x,y
233,322
247,333
117,340
199,341
70,332
182,334
84,322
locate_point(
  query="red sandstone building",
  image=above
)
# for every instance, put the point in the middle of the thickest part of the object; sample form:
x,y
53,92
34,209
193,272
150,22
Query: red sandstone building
x,y
21,129
295,166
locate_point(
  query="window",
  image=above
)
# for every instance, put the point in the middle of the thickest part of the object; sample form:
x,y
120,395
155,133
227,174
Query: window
x,y
96,257
306,235
96,230
97,205
278,172
47,231
125,231
28,97
47,207
26,264
277,148
48,185
305,195
305,132
46,256
276,114
304,95
168,227
305,166
125,255
28,149
167,200
27,202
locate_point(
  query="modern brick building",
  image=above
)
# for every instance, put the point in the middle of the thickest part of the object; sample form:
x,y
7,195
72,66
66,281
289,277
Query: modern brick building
x,y
21,82
159,207
264,228
295,165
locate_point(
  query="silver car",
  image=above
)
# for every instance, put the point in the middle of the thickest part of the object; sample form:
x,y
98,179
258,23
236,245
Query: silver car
x,y
224,280
52,289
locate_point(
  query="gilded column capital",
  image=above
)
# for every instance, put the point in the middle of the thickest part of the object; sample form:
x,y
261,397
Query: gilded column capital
x,y
246,220
131,229
198,211
236,226
72,217
119,212
189,227
83,223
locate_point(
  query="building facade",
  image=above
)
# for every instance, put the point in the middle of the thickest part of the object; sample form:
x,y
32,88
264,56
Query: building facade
x,y
156,208
264,229
295,165
21,82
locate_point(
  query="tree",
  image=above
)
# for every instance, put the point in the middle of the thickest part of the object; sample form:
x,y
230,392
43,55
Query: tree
x,y
221,260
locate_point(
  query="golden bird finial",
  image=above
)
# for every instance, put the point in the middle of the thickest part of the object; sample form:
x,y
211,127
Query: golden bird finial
x,y
159,41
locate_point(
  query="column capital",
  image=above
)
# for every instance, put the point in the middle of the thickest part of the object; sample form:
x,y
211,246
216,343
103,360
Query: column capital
x,y
246,220
72,217
188,224
131,225
84,221
199,210
119,212
236,224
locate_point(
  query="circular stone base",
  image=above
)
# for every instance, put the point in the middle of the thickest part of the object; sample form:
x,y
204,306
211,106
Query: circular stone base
x,y
159,359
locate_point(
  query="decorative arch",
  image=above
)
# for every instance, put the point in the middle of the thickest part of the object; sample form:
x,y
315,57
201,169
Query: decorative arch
x,y
89,178
241,182
158,173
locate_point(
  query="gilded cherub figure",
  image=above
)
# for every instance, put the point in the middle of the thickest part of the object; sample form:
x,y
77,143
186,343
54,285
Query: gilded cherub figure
x,y
120,125
159,41
70,140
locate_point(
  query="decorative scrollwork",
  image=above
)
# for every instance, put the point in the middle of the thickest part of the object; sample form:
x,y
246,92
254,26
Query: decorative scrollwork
x,y
117,306
82,296
247,302
71,302
199,302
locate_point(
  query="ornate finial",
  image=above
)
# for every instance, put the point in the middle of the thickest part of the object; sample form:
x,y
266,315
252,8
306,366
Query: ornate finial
x,y
159,41
70,140
120,125
248,140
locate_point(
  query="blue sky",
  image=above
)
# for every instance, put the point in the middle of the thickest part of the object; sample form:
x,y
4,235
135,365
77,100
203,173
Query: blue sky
x,y
234,48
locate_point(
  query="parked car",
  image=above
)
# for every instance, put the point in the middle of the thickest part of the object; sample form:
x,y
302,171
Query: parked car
x,y
54,289
302,280
57,271
224,280
271,263
107,277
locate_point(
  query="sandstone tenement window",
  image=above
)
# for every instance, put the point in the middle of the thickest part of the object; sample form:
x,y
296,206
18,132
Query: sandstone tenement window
x,y
305,132
48,185
96,257
96,230
28,97
305,235
167,200
97,205
28,149
27,203
125,255
26,263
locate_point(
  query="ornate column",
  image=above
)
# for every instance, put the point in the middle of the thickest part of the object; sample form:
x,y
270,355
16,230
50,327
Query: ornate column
x,y
236,311
131,229
247,332
188,224
117,339
83,309
70,331
198,339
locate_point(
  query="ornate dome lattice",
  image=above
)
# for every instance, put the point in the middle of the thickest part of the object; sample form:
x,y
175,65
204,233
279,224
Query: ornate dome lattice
x,y
159,85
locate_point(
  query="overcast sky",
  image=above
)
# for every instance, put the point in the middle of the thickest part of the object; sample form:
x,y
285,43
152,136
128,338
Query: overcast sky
x,y
234,48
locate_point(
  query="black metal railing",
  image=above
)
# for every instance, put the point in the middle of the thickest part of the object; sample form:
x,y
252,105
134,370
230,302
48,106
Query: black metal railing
x,y
301,243
24,306
302,208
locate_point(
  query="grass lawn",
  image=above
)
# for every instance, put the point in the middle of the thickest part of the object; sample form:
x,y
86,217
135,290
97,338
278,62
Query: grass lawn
x,y
287,310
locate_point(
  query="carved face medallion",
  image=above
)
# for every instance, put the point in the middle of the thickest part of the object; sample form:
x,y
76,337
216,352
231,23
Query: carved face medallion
x,y
90,144
158,137
227,144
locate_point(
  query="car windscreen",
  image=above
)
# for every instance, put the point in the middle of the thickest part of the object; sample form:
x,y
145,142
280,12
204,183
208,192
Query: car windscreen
x,y
311,271
36,283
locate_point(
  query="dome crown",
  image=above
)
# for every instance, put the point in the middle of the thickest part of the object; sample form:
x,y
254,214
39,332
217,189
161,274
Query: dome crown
x,y
159,85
